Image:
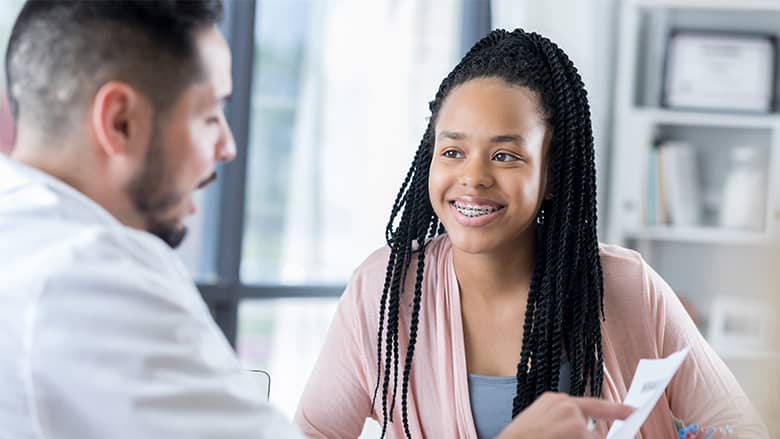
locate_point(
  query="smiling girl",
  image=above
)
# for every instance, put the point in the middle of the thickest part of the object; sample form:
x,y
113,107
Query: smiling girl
x,y
493,290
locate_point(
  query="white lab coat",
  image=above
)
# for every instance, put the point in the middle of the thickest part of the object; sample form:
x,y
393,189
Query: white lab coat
x,y
103,334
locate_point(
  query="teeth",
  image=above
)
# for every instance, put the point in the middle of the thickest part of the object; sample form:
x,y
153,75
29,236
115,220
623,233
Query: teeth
x,y
471,211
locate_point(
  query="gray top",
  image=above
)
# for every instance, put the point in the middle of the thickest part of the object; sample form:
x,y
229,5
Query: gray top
x,y
491,400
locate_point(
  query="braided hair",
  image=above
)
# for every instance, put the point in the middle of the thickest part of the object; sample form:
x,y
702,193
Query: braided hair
x,y
565,300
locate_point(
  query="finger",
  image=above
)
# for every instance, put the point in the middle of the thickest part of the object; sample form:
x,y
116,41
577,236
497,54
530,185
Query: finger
x,y
604,410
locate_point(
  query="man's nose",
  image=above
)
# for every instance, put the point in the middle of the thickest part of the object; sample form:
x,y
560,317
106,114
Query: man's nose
x,y
226,148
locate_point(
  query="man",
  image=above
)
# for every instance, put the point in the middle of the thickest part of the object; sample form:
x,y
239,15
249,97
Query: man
x,y
119,111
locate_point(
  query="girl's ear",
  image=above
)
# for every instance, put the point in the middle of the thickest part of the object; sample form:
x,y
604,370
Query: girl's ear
x,y
546,180
546,183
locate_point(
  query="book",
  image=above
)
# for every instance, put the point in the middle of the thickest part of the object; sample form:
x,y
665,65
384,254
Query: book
x,y
652,187
680,192
656,202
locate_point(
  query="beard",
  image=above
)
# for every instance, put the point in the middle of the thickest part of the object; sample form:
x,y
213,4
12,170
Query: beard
x,y
152,194
171,234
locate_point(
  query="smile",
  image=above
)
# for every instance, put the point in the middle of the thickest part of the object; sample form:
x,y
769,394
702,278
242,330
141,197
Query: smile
x,y
472,211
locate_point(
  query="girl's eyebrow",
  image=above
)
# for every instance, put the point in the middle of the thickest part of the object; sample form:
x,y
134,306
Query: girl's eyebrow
x,y
452,135
517,139
502,138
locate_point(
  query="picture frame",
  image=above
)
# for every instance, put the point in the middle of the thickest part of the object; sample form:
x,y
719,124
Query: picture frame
x,y
739,323
720,71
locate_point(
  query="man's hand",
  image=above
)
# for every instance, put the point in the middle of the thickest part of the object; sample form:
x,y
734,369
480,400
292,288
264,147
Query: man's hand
x,y
558,415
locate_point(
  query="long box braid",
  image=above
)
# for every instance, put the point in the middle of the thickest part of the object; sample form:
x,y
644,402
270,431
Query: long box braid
x,y
565,301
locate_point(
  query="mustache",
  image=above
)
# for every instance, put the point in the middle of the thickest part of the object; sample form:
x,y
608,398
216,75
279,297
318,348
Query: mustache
x,y
210,179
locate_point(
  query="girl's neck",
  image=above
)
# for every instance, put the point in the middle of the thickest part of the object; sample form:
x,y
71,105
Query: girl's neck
x,y
501,274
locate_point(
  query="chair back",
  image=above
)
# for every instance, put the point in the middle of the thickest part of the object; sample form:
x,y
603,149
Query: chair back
x,y
263,380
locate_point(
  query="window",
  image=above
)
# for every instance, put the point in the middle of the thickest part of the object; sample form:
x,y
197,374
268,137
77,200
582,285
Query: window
x,y
330,101
339,101
329,104
337,104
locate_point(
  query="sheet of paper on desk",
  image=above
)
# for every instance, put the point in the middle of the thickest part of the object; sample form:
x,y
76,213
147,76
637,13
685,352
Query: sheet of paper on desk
x,y
650,380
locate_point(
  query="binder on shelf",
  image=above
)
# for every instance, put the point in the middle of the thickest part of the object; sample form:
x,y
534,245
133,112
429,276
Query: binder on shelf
x,y
679,194
656,208
662,213
652,187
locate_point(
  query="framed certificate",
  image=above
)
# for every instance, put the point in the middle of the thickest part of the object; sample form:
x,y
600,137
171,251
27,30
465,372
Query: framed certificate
x,y
741,323
720,71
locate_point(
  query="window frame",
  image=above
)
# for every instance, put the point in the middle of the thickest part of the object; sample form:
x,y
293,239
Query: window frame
x,y
224,290
225,221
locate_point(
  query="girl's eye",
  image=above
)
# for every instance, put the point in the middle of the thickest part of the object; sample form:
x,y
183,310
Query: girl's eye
x,y
452,154
505,157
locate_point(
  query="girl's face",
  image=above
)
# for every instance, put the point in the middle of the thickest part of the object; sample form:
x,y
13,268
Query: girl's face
x,y
487,173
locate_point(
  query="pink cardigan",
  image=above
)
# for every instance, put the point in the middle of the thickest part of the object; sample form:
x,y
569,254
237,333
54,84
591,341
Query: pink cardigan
x,y
644,319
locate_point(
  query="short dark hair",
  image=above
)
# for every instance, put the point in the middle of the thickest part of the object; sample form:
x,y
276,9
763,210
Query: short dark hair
x,y
62,51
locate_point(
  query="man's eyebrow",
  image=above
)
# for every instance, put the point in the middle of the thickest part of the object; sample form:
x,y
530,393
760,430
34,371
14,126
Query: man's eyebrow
x,y
225,99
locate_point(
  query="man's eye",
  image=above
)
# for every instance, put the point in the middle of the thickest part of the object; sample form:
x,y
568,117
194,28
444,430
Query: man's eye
x,y
452,154
505,157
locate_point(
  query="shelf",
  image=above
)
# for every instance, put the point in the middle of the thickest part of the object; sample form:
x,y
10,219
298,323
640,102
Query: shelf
x,y
731,354
743,5
714,119
712,235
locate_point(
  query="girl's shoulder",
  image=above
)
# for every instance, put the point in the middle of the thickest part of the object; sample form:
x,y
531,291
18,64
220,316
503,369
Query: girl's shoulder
x,y
626,278
630,319
619,260
375,265
367,281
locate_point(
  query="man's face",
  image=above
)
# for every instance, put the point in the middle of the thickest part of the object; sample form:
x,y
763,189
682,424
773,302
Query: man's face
x,y
185,146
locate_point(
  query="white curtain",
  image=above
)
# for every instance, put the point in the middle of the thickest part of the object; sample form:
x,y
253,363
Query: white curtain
x,y
370,69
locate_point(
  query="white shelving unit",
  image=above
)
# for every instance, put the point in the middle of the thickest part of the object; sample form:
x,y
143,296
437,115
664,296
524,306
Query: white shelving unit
x,y
700,261
703,235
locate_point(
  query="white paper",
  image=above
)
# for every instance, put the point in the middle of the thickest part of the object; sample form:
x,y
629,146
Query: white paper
x,y
650,381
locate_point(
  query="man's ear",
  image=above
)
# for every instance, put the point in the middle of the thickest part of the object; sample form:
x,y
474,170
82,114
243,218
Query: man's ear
x,y
120,118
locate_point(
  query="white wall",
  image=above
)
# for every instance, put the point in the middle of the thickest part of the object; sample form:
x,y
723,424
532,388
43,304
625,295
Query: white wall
x,y
585,30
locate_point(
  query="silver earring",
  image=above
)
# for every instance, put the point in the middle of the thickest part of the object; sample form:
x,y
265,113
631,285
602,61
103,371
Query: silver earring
x,y
540,217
